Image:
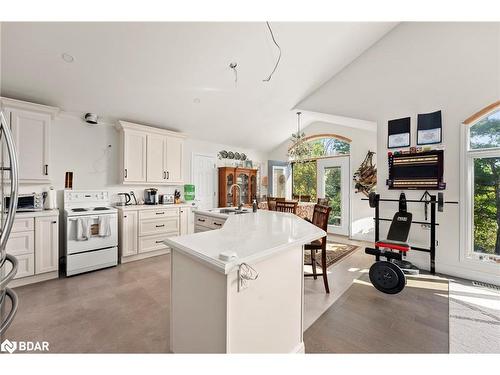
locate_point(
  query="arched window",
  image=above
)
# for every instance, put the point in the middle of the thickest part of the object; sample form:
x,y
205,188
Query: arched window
x,y
482,185
326,145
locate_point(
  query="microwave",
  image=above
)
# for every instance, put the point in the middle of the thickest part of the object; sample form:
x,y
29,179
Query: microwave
x,y
26,202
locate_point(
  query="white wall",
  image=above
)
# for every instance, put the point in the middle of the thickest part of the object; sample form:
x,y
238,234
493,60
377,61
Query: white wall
x,y
418,68
83,149
362,142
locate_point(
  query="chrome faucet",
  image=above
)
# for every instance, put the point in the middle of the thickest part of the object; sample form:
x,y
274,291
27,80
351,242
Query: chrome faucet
x,y
240,205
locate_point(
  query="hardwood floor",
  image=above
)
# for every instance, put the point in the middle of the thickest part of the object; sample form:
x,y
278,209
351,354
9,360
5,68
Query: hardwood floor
x,y
364,320
125,309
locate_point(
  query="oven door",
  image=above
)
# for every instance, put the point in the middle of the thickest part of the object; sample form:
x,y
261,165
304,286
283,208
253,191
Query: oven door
x,y
95,241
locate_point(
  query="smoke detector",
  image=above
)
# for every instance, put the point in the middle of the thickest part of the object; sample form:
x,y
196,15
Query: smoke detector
x,y
91,118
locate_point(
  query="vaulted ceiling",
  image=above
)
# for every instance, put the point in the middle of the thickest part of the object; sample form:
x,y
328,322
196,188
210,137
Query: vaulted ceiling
x,y
177,75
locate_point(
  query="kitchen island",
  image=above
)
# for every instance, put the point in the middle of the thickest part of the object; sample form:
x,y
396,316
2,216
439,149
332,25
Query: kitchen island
x,y
251,303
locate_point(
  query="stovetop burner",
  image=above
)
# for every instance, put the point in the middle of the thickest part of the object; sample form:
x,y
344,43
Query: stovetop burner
x,y
101,208
78,209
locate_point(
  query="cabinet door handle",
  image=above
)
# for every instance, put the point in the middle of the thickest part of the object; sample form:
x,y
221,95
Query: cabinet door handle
x,y
160,213
46,169
126,173
161,225
168,175
164,175
219,225
160,241
125,216
54,222
202,220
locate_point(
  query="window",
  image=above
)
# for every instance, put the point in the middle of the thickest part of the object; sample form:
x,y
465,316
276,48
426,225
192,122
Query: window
x,y
304,174
483,190
304,180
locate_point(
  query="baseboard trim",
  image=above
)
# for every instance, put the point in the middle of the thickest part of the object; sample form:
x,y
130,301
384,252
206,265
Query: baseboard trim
x,y
141,256
34,279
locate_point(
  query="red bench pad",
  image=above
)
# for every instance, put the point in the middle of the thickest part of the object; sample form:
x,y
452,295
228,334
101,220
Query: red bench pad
x,y
393,246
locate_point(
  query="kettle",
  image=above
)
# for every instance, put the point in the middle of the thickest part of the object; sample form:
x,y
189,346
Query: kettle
x,y
124,199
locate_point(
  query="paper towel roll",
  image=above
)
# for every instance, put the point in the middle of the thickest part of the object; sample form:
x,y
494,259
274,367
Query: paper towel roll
x,y
50,200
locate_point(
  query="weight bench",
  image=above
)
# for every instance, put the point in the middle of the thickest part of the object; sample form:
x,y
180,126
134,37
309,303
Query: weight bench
x,y
388,275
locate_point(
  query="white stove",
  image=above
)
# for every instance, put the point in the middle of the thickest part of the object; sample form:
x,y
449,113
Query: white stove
x,y
91,231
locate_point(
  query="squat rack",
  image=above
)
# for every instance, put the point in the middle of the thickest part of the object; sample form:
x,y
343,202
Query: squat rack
x,y
435,202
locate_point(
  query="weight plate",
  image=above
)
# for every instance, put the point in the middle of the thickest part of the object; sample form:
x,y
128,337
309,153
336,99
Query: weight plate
x,y
387,277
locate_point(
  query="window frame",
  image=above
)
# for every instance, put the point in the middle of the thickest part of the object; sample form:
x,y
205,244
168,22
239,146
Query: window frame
x,y
467,157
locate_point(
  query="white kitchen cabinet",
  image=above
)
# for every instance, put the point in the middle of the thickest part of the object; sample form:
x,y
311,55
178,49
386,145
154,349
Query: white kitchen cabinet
x,y
46,244
128,232
151,155
184,220
156,160
31,125
134,156
175,149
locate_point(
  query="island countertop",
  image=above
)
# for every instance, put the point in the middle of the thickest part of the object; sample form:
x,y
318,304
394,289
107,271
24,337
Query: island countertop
x,y
252,236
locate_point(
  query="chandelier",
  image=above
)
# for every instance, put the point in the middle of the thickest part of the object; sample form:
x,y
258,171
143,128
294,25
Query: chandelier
x,y
300,149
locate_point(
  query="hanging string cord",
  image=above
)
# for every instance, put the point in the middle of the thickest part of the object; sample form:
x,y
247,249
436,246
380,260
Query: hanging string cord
x,y
279,56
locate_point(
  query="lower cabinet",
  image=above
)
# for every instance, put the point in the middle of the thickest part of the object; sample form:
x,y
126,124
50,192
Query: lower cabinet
x,y
34,241
143,231
46,244
127,235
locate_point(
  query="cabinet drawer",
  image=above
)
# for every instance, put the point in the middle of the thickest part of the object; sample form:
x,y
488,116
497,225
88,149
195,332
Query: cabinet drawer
x,y
21,225
21,243
156,214
158,226
26,265
152,243
209,222
201,228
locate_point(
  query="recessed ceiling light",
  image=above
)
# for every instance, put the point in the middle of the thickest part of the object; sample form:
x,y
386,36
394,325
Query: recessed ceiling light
x,y
67,57
196,100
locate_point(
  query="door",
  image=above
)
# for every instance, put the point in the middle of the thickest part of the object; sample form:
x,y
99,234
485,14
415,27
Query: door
x,y
129,233
46,244
156,158
333,183
31,131
134,158
175,149
204,178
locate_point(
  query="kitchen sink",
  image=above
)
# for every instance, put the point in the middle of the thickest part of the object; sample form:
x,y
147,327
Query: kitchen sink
x,y
233,211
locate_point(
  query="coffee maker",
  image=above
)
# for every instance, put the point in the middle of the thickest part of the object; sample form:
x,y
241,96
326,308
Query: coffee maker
x,y
151,196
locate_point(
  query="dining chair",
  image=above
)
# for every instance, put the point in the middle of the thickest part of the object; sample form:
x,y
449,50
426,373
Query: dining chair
x,y
271,202
320,219
301,198
286,206
324,201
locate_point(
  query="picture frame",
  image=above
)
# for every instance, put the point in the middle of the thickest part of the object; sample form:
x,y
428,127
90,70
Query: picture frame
x,y
398,133
429,128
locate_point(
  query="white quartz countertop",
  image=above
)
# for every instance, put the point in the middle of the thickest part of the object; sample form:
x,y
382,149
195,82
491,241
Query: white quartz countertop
x,y
252,236
135,207
21,215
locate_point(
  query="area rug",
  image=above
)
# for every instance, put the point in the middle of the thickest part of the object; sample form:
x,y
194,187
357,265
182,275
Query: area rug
x,y
334,252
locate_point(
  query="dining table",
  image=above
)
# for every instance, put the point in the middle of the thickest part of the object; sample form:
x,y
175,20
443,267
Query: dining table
x,y
305,210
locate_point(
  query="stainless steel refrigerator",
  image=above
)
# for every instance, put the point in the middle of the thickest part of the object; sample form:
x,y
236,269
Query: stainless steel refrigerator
x,y
8,185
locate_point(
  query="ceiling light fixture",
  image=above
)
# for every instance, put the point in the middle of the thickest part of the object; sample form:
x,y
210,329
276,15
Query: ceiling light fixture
x,y
300,150
67,57
279,56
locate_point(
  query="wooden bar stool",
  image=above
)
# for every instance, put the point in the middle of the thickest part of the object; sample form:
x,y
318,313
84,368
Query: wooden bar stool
x,y
320,219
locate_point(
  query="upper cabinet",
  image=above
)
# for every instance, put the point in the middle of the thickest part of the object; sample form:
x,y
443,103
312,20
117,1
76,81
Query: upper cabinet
x,y
151,155
30,125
